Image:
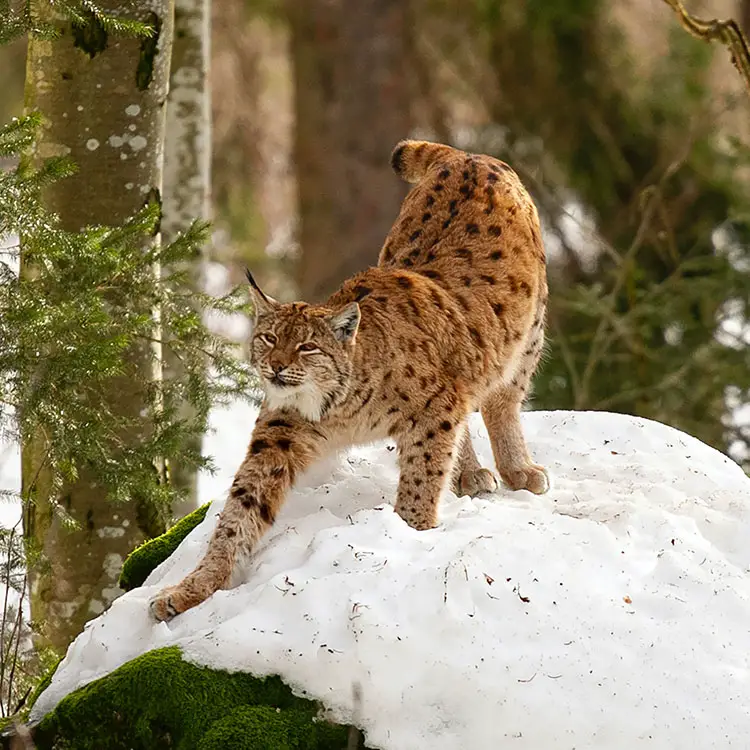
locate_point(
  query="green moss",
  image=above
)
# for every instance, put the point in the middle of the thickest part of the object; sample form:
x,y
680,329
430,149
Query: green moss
x,y
159,700
145,558
265,728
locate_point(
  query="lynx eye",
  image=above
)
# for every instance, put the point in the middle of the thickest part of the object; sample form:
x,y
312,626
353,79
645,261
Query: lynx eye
x,y
268,338
308,347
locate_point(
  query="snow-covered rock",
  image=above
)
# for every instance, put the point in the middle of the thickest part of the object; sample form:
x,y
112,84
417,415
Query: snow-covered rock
x,y
613,611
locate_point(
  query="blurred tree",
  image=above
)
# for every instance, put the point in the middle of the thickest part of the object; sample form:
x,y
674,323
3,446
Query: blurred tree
x,y
102,94
237,131
352,106
12,59
187,177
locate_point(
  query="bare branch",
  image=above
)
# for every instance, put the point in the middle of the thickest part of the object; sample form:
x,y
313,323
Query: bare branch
x,y
650,200
17,635
727,33
7,573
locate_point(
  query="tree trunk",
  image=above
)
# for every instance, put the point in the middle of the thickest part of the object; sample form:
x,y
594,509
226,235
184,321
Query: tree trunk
x,y
103,98
352,107
187,174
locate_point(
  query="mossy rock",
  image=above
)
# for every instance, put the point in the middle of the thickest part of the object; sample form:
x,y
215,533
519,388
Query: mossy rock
x,y
152,553
158,700
264,728
161,701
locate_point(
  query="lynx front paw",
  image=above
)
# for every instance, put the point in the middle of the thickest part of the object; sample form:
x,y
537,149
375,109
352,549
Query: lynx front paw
x,y
476,482
532,478
167,604
420,518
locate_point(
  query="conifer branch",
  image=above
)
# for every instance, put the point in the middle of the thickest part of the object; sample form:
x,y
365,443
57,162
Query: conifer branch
x,y
67,330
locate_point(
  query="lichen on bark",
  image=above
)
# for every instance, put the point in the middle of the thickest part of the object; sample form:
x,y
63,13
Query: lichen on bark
x,y
85,86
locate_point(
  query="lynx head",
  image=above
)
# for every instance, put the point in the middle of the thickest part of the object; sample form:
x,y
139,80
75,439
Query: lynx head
x,y
303,353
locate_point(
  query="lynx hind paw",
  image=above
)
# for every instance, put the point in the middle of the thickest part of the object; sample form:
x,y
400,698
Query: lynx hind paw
x,y
162,607
533,478
477,482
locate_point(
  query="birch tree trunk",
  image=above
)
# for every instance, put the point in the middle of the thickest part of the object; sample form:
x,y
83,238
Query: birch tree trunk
x,y
103,97
187,172
352,107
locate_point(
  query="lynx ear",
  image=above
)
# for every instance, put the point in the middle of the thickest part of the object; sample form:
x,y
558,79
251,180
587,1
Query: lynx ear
x,y
262,304
345,322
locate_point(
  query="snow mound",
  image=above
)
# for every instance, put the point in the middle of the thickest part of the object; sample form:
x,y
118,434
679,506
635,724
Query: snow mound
x,y
614,610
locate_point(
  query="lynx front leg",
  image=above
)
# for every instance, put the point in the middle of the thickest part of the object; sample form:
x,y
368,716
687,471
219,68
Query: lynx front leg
x,y
281,446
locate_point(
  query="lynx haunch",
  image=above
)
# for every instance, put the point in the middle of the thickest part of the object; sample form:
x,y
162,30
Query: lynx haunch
x,y
450,321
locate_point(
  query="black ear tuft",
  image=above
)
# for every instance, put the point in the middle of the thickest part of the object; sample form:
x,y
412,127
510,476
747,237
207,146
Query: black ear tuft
x,y
253,282
262,303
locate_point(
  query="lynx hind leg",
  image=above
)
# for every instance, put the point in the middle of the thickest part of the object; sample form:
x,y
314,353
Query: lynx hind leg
x,y
470,477
501,412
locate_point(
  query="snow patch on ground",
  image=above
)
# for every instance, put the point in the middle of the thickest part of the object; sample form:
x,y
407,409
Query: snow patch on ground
x,y
10,455
612,611
10,482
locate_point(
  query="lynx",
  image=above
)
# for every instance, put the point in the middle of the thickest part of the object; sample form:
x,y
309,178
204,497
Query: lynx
x,y
450,321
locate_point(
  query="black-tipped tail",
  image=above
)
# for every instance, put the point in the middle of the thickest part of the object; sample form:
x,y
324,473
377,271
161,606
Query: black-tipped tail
x,y
410,160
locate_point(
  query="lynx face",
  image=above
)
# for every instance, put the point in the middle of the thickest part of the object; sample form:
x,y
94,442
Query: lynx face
x,y
303,353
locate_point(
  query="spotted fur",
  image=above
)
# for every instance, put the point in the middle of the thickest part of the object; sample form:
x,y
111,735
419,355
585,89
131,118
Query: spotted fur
x,y
450,321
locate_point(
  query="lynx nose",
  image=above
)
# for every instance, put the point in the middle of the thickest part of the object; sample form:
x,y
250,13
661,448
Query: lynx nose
x,y
277,370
